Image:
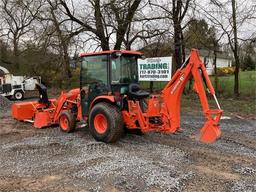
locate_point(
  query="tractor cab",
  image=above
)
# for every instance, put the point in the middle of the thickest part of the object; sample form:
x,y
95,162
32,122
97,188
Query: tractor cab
x,y
109,73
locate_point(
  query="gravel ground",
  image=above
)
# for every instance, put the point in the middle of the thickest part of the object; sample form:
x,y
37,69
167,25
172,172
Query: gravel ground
x,y
50,160
4,104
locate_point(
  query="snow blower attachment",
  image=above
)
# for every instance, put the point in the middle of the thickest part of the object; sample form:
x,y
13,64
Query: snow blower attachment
x,y
113,100
45,112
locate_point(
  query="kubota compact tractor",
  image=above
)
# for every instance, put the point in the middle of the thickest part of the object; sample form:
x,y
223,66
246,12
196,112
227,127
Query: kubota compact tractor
x,y
110,99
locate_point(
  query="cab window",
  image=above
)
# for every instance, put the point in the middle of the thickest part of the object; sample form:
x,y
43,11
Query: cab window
x,y
94,69
124,69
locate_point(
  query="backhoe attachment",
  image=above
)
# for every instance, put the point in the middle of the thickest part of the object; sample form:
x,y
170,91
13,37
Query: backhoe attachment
x,y
163,112
172,93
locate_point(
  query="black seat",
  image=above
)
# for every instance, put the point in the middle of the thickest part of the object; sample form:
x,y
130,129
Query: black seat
x,y
136,93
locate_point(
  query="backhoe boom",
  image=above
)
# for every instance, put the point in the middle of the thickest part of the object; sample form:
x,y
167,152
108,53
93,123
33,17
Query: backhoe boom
x,y
173,91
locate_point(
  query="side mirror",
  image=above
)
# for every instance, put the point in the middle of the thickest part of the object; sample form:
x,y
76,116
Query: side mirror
x,y
143,57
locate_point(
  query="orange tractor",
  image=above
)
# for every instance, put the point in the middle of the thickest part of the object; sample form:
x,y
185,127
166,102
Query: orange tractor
x,y
110,99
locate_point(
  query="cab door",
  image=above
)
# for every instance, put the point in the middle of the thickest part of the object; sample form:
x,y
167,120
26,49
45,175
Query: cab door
x,y
94,79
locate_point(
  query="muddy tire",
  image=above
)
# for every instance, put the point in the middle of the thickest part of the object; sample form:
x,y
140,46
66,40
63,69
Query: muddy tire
x,y
67,122
106,123
18,95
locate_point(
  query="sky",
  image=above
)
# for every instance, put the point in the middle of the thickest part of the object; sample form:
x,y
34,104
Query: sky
x,y
246,29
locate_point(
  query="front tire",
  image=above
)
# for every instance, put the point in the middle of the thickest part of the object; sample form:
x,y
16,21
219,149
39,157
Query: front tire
x,y
19,95
67,122
106,123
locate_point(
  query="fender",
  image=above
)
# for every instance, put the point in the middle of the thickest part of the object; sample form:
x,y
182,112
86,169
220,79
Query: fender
x,y
101,98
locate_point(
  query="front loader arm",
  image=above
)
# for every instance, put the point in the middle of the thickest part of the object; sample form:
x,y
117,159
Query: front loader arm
x,y
172,93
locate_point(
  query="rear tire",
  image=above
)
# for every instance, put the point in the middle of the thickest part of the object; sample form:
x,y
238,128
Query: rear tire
x,y
106,123
19,95
67,122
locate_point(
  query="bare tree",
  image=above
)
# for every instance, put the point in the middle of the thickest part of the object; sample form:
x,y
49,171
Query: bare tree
x,y
229,22
234,47
145,26
64,37
176,10
18,16
108,19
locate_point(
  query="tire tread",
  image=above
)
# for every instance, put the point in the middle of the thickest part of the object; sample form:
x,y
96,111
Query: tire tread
x,y
114,114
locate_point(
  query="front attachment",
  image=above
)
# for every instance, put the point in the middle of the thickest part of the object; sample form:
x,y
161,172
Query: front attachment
x,y
210,132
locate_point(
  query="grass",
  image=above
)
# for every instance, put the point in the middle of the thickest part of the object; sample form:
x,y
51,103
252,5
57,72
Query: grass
x,y
247,80
242,108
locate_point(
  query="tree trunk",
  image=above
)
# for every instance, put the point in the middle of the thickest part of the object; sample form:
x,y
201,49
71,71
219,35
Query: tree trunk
x,y
177,46
119,38
104,44
236,73
100,27
16,53
66,75
215,72
66,60
123,24
183,46
235,50
128,46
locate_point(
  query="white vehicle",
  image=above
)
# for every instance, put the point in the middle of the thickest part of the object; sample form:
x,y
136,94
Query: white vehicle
x,y
16,86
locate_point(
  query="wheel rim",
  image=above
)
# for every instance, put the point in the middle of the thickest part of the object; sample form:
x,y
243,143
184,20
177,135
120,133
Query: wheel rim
x,y
18,95
64,122
100,123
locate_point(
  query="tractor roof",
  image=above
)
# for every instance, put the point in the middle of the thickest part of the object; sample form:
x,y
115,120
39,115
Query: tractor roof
x,y
110,52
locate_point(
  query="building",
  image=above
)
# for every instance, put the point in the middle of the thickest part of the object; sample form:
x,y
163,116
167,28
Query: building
x,y
3,72
222,60
207,56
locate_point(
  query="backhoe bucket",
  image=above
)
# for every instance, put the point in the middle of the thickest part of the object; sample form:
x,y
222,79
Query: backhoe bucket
x,y
210,132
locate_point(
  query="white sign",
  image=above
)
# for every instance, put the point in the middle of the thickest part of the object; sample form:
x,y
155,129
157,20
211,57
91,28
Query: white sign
x,y
155,69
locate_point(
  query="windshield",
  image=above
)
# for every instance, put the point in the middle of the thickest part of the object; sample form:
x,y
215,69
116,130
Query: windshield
x,y
124,69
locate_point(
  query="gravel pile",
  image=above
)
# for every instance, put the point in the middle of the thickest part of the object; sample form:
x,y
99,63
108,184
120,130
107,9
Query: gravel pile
x,y
5,104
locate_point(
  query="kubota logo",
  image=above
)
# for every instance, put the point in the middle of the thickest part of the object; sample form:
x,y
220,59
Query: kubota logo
x,y
177,84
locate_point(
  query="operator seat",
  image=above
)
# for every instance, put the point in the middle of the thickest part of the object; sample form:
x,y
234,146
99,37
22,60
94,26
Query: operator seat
x,y
134,92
